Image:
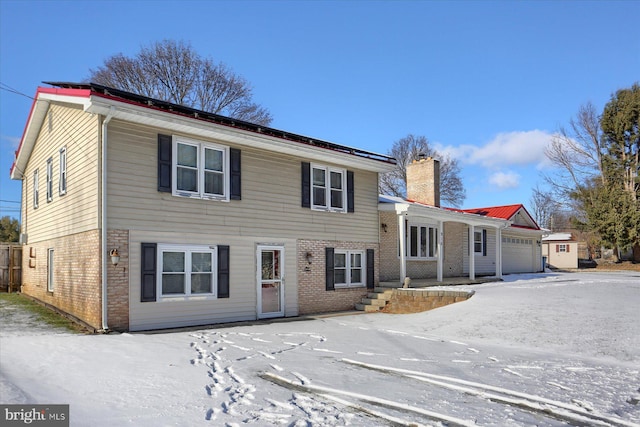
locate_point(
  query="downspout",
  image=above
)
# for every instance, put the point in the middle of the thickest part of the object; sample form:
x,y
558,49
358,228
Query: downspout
x,y
103,208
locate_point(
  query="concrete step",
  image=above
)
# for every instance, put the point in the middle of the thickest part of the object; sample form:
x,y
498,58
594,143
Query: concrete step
x,y
374,302
382,290
367,308
378,295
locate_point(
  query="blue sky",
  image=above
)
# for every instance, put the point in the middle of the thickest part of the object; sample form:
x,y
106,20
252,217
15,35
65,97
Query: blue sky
x,y
486,82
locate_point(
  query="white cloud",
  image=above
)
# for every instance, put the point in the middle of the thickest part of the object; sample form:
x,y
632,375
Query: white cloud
x,y
11,141
504,180
506,149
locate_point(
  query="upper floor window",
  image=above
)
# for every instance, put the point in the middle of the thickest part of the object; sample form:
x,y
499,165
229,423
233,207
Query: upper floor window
x,y
349,268
49,179
62,178
328,188
36,192
200,169
422,241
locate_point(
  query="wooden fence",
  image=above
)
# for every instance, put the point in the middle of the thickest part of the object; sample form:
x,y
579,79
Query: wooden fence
x,y
10,267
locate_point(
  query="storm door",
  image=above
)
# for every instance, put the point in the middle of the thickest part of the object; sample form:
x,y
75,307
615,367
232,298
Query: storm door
x,y
270,261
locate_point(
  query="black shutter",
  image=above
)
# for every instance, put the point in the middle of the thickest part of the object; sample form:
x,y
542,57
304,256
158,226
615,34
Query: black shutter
x,y
370,268
148,279
484,242
223,271
350,192
330,280
236,184
306,185
164,163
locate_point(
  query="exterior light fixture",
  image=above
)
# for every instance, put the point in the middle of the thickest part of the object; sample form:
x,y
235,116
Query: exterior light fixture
x,y
309,257
115,257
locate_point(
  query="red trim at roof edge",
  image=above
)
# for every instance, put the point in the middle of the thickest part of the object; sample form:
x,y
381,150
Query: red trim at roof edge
x,y
49,90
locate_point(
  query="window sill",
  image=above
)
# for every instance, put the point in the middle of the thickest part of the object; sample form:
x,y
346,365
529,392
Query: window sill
x,y
360,285
177,298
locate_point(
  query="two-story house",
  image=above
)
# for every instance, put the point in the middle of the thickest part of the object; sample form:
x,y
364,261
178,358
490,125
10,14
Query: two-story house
x,y
140,214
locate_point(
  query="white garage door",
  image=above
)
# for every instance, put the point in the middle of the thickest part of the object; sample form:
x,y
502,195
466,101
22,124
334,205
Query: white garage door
x,y
517,255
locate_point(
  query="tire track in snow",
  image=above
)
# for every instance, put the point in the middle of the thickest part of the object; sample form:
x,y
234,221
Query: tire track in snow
x,y
554,409
331,392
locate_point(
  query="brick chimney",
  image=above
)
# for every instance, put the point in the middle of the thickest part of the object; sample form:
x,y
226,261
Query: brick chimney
x,y
423,181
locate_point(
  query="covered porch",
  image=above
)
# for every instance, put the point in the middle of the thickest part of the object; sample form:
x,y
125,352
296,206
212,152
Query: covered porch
x,y
431,245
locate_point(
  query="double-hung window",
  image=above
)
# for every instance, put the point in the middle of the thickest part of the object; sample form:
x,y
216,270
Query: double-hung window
x,y
49,179
36,192
62,178
329,188
201,169
349,268
477,241
186,271
422,241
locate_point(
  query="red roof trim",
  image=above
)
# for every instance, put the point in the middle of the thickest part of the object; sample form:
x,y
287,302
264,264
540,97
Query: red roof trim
x,y
85,93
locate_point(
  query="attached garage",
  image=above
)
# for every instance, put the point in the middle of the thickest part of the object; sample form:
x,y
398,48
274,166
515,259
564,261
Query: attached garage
x,y
518,255
521,241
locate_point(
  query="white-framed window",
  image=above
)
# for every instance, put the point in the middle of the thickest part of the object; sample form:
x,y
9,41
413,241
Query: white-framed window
x,y
49,179
36,192
200,169
328,189
421,241
562,248
349,269
478,241
186,271
62,176
50,275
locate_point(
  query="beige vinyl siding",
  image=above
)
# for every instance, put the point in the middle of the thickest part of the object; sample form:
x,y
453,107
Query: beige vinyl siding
x,y
77,210
270,205
242,302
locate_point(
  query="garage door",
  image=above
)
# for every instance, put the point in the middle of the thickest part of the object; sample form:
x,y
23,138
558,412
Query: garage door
x,y
517,255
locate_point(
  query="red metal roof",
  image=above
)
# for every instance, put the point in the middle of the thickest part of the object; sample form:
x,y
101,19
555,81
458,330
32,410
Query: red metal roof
x,y
502,212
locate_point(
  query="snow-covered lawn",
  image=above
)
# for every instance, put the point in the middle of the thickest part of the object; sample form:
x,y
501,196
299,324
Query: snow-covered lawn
x,y
538,350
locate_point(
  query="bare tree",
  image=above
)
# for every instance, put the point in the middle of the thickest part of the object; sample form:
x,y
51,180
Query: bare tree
x,y
407,149
576,153
545,208
172,71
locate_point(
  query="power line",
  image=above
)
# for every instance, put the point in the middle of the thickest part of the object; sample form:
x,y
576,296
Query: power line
x,y
9,201
12,90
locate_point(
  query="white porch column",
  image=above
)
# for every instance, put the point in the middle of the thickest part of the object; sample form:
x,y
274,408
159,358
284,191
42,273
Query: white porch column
x,y
403,255
499,252
472,254
440,249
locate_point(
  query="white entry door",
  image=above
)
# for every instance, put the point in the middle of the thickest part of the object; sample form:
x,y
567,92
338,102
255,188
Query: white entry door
x,y
270,280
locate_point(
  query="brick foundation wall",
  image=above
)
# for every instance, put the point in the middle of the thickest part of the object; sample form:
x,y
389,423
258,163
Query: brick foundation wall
x,y
118,281
416,300
312,294
76,272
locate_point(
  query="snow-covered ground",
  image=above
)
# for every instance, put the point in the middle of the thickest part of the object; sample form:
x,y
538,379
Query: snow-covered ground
x,y
551,349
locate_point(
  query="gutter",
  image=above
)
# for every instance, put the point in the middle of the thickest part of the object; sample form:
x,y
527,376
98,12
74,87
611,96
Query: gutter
x,y
103,217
